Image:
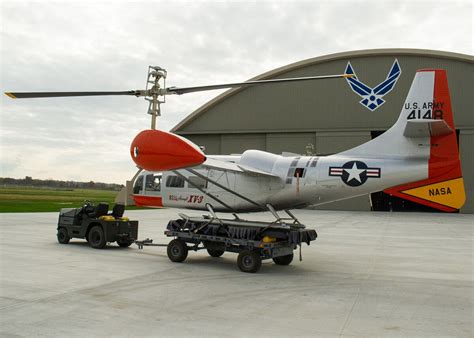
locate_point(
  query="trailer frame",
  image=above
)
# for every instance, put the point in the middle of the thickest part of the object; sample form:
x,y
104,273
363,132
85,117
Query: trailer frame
x,y
254,241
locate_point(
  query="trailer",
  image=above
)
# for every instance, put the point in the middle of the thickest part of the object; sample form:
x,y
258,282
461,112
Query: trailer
x,y
253,241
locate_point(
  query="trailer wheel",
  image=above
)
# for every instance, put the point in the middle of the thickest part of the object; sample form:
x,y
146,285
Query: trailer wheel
x,y
177,250
124,243
63,236
215,253
249,261
96,237
283,260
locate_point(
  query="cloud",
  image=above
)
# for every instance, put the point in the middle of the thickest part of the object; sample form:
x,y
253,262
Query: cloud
x,y
108,45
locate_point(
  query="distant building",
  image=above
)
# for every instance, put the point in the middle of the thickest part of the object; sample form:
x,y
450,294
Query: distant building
x,y
328,116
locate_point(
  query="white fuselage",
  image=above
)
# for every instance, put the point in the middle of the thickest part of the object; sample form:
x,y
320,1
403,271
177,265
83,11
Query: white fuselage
x,y
295,181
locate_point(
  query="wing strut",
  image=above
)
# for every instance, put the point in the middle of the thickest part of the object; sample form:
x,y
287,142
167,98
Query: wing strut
x,y
227,189
204,192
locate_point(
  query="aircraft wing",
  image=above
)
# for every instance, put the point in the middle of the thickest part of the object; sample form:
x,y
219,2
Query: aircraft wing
x,y
211,163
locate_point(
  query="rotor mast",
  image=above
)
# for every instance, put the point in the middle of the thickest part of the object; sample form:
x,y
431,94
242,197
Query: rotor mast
x,y
155,75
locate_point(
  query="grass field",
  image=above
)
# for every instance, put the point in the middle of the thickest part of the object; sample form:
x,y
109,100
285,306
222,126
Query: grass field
x,y
22,199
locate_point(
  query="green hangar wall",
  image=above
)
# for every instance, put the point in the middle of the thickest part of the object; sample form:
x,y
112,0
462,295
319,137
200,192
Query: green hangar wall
x,y
324,117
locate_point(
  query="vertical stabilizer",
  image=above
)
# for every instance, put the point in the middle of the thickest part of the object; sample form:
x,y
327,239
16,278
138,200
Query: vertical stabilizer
x,y
431,118
393,143
424,132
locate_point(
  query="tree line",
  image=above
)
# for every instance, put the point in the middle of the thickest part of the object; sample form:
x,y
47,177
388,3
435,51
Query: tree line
x,y
28,181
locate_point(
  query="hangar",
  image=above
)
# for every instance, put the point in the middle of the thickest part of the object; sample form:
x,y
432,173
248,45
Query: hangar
x,y
326,117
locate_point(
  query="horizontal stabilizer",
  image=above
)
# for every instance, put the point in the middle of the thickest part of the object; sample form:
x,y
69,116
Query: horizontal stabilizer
x,y
440,193
422,128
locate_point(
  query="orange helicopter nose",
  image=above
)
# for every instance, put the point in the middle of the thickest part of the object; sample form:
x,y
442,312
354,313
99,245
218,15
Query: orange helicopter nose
x,y
157,150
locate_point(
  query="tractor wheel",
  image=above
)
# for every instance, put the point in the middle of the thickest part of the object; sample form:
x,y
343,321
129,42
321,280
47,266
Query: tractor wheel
x,y
96,237
124,243
63,236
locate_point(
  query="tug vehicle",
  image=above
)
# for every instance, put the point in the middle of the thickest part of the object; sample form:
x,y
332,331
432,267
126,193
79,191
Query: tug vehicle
x,y
96,225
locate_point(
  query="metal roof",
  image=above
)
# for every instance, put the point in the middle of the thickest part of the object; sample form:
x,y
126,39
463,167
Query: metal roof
x,y
321,59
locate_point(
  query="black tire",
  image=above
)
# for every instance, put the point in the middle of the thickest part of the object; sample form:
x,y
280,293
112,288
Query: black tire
x,y
96,237
283,260
177,250
249,261
215,253
124,243
63,236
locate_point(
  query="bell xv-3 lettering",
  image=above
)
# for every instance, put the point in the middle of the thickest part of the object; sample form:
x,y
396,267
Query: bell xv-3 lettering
x,y
372,98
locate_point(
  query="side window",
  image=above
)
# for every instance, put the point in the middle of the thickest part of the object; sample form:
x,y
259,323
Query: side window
x,y
299,172
174,182
293,171
153,183
315,162
195,181
138,186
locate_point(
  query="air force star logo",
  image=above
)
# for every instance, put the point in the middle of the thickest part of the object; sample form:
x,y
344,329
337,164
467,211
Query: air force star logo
x,y
372,98
354,173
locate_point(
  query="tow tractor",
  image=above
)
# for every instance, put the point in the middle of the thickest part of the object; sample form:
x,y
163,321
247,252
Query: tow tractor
x,y
97,225
253,241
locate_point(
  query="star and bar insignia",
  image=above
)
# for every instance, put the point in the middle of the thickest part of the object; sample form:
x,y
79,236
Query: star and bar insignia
x,y
354,173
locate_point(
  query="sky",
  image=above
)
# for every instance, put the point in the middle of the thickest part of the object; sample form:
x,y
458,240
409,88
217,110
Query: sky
x,y
108,45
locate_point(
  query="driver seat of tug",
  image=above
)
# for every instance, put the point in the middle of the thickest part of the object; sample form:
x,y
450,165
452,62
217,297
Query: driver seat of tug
x,y
118,210
100,210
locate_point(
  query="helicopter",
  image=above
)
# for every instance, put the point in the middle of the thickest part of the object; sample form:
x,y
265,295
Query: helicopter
x,y
416,159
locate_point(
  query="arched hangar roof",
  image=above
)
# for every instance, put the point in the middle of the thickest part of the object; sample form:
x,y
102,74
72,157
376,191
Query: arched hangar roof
x,y
302,68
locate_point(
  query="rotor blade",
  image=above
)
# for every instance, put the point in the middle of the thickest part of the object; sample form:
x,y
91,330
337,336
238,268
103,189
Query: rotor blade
x,y
29,95
179,91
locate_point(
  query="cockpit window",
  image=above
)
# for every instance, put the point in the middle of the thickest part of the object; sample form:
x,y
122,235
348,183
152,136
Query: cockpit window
x,y
138,186
153,183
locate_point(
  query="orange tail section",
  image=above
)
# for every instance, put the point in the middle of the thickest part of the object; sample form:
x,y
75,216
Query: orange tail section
x,y
444,187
